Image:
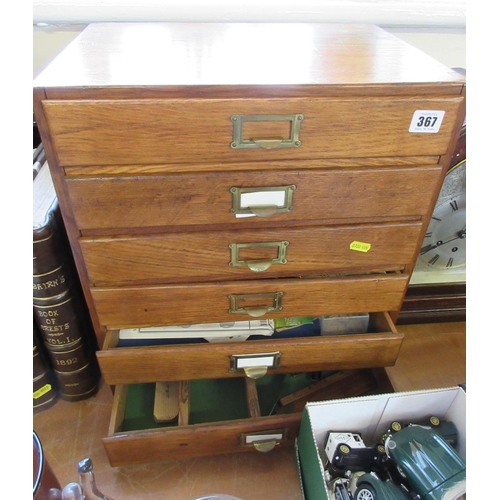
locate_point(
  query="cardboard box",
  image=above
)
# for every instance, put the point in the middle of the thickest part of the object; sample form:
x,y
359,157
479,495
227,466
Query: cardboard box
x,y
369,416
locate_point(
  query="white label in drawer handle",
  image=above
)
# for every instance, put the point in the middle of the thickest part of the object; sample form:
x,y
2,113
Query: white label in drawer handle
x,y
261,199
262,437
250,362
265,440
260,360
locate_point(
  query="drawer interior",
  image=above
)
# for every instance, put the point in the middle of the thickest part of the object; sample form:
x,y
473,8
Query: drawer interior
x,y
311,328
227,401
231,399
241,415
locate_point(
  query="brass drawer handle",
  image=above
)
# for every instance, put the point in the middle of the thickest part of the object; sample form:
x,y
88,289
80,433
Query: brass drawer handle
x,y
264,211
261,201
263,441
255,310
258,265
254,365
265,446
266,143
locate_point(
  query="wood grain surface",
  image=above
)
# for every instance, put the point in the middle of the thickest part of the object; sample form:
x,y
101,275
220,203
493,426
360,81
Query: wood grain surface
x,y
207,256
127,132
197,56
170,202
141,306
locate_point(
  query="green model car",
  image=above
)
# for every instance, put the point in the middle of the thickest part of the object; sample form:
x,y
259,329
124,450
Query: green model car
x,y
428,466
371,487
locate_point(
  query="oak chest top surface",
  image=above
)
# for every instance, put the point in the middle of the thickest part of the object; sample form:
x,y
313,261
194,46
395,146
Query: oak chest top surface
x,y
238,56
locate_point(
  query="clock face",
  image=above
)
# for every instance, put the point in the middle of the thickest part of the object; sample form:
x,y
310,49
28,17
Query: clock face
x,y
444,243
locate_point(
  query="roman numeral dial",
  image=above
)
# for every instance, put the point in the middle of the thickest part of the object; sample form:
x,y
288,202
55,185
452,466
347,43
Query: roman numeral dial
x,y
444,244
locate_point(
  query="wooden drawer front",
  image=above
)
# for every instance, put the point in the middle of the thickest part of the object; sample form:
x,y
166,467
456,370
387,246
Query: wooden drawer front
x,y
141,306
378,348
150,131
207,256
160,443
218,416
191,199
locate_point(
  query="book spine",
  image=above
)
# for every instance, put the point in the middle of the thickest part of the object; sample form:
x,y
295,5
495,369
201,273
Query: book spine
x,y
45,392
39,159
60,315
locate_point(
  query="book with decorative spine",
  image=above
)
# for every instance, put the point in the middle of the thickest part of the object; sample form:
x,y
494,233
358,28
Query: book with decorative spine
x,y
45,392
59,308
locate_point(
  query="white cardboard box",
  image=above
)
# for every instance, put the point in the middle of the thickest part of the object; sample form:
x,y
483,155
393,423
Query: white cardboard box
x,y
369,416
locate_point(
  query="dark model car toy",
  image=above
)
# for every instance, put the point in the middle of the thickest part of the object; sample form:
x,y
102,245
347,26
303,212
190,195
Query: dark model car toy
x,y
428,468
445,428
347,452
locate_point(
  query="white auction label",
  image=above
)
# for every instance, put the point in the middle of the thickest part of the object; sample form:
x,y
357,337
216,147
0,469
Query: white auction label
x,y
426,121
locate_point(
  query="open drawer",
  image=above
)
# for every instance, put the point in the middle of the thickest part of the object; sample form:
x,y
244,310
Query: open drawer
x,y
223,415
175,362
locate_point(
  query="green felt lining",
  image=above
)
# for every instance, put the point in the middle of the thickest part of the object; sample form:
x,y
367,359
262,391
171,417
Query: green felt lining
x,y
214,400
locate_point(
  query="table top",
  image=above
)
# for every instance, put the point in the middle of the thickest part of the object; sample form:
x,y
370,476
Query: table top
x,y
239,54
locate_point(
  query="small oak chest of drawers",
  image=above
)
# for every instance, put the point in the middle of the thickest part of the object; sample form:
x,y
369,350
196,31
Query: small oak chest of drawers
x,y
223,172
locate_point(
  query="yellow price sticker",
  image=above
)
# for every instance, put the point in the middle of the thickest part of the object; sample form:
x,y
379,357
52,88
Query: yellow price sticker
x,y
43,390
359,246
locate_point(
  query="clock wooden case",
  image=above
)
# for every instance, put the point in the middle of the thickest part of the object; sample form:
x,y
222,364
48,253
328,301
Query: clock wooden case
x,y
221,172
437,290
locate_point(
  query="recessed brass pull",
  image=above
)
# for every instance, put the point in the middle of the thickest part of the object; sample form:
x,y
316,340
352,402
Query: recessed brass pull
x,y
257,266
255,312
267,143
264,211
237,303
265,446
254,264
255,372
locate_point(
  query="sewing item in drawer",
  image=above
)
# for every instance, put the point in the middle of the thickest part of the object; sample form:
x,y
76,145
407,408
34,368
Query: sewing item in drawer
x,y
211,332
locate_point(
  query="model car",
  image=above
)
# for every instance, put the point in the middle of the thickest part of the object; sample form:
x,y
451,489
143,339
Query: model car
x,y
371,487
428,468
445,428
347,452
